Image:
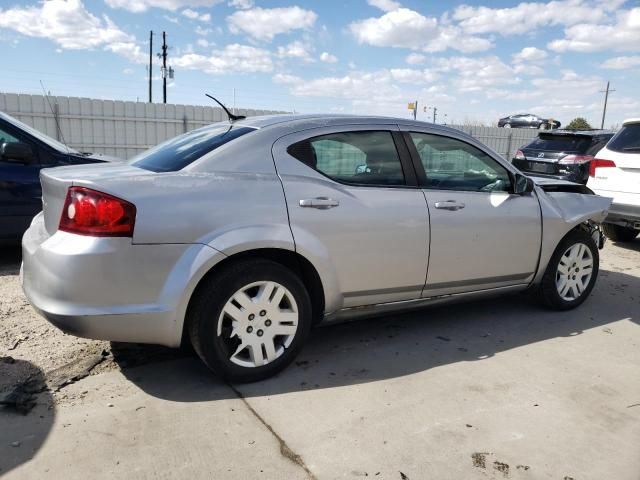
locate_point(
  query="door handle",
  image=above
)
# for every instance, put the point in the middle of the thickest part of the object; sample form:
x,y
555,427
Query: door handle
x,y
449,205
321,203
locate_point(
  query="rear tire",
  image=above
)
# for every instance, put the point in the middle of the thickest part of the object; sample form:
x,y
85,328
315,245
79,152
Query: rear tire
x,y
250,320
571,273
506,125
618,233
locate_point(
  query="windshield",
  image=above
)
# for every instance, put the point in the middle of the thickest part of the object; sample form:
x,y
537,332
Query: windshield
x,y
61,147
561,143
177,153
627,139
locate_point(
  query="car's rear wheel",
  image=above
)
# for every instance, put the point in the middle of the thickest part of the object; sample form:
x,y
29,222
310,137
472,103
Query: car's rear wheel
x,y
542,126
618,233
507,125
571,272
250,320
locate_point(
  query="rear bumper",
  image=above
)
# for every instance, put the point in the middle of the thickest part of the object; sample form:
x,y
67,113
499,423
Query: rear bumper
x,y
578,172
109,288
625,215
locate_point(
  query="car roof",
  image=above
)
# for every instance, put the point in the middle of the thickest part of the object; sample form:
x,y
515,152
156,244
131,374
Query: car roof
x,y
631,121
578,133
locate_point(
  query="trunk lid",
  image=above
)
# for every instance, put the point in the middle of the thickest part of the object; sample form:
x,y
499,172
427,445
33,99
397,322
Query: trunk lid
x,y
56,182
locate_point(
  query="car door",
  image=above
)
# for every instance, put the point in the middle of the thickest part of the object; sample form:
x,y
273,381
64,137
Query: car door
x,y
19,188
482,235
356,210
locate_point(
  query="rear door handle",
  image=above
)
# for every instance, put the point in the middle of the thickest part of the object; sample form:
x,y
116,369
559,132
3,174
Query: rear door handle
x,y
449,205
321,203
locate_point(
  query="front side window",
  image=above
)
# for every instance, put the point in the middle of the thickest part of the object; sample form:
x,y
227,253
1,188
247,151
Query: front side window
x,y
362,158
177,153
451,164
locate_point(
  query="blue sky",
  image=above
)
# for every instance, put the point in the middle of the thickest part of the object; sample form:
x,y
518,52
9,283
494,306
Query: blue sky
x,y
474,61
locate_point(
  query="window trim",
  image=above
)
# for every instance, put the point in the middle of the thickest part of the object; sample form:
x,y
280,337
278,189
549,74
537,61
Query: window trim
x,y
422,173
404,156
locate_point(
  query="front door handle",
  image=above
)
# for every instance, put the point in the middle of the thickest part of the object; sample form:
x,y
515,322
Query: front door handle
x,y
322,203
449,205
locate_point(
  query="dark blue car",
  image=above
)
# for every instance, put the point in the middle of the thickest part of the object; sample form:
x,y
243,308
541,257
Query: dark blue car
x,y
24,151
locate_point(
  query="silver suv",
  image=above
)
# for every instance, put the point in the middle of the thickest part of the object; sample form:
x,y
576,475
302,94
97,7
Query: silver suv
x,y
240,236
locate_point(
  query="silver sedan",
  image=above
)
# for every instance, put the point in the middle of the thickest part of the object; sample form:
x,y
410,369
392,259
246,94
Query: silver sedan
x,y
240,236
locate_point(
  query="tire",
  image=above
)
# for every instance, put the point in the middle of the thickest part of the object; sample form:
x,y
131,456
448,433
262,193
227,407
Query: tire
x,y
618,233
219,348
506,125
552,288
542,126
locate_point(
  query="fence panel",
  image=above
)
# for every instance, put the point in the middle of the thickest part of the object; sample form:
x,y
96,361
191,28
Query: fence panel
x,y
505,141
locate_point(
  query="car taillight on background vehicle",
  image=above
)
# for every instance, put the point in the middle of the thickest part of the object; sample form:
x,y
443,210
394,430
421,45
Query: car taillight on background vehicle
x,y
519,155
93,213
573,159
599,163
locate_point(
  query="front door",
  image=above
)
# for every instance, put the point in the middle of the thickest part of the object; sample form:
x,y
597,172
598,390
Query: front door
x,y
356,210
482,235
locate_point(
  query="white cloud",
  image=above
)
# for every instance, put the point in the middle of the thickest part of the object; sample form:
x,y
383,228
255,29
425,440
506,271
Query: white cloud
x,y
415,59
296,49
171,19
410,75
71,26
384,5
530,54
241,4
328,58
477,73
202,31
266,23
528,16
233,58
203,42
138,6
622,63
405,28
623,35
286,79
193,15
127,71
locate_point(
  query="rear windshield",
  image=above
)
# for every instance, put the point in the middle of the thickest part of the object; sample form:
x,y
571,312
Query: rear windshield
x,y
561,143
627,139
177,153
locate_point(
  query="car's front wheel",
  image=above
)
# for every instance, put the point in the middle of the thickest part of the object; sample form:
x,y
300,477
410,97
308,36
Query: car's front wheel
x,y
507,125
250,320
618,233
571,272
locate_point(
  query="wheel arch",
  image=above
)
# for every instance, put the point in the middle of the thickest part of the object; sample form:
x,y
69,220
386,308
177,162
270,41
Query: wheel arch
x,y
290,259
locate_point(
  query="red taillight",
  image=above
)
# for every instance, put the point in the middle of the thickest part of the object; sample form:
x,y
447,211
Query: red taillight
x,y
599,163
89,212
519,155
573,159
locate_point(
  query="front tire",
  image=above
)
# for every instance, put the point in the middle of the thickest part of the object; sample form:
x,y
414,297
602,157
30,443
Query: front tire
x,y
618,233
250,320
506,125
571,273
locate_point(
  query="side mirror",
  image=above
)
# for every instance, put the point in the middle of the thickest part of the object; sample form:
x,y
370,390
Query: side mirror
x,y
17,152
522,184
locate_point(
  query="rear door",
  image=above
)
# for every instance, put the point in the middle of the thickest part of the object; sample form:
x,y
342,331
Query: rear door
x,y
20,194
356,210
482,235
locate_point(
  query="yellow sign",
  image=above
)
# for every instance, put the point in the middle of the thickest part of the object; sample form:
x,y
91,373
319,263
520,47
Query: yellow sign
x,y
411,106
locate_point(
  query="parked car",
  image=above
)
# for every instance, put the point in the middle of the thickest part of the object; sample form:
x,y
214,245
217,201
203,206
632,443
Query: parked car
x,y
240,236
528,120
24,151
564,154
615,173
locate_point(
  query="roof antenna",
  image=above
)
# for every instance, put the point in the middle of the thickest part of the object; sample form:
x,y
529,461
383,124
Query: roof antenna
x,y
55,117
231,116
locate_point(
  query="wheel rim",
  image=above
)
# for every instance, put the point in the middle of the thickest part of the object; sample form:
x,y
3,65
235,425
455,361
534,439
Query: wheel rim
x,y
574,272
507,125
258,323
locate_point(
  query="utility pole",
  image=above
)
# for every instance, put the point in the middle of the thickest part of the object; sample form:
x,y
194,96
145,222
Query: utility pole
x,y
150,63
606,98
435,114
415,110
164,67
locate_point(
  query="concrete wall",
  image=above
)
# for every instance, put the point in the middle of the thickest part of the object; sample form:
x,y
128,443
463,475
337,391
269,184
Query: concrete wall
x,y
117,128
124,129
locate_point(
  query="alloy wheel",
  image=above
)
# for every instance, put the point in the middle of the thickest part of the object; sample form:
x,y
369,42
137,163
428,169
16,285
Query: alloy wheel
x,y
258,323
574,271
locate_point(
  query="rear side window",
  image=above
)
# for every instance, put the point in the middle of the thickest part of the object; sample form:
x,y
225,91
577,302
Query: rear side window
x,y
561,143
626,140
362,158
177,153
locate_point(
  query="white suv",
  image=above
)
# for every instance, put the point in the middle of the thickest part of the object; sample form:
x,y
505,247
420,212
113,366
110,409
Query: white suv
x,y
615,173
